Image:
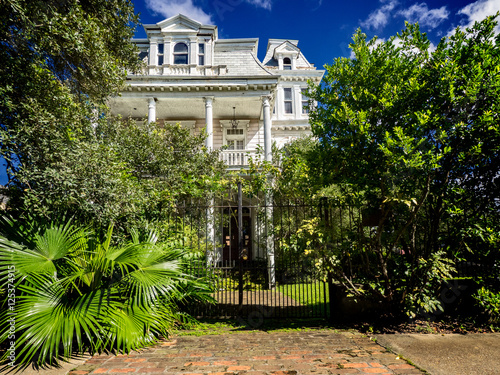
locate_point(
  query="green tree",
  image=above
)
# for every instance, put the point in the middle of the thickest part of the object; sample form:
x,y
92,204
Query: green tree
x,y
410,137
65,155
125,173
59,61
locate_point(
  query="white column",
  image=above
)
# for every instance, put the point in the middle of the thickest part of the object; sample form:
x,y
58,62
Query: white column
x,y
266,107
271,265
193,56
208,53
167,51
151,110
279,103
280,61
153,59
297,99
209,142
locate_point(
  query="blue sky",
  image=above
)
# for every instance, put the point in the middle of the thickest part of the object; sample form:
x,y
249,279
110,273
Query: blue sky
x,y
324,28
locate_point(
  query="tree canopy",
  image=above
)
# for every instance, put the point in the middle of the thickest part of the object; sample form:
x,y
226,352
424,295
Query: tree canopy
x,y
411,136
60,61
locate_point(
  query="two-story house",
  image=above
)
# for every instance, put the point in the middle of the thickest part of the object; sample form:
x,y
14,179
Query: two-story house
x,y
219,85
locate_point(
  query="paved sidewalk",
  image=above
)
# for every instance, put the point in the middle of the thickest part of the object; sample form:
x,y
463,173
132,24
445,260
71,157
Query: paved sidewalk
x,y
256,353
451,354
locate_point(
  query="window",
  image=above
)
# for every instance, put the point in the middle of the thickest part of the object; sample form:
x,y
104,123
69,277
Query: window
x,y
305,102
143,56
235,139
181,53
201,54
160,54
287,64
288,100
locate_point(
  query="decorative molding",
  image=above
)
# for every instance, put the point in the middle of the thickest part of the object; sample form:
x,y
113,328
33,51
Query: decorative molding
x,y
292,127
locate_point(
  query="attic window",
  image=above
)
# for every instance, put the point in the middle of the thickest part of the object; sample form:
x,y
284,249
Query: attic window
x,y
181,53
287,63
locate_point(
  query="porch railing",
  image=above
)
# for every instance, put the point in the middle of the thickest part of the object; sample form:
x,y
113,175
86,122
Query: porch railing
x,y
182,70
239,158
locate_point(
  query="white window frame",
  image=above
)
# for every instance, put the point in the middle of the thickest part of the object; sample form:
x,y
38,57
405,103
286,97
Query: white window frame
x,y
287,66
160,56
290,100
174,54
201,55
235,137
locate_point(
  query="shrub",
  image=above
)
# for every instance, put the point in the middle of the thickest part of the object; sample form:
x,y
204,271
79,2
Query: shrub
x,y
77,292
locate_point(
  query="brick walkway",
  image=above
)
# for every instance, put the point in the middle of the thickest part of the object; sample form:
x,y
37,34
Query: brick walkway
x,y
256,353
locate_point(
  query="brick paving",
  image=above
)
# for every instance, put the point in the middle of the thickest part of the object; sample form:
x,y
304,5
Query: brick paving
x,y
256,353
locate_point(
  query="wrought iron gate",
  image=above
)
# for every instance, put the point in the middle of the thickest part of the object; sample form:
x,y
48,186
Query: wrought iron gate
x,y
257,268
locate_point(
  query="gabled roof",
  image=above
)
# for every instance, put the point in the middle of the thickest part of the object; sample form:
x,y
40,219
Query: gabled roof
x,y
271,58
181,24
287,48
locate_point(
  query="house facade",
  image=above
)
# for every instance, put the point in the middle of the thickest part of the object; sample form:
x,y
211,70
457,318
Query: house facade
x,y
219,86
194,78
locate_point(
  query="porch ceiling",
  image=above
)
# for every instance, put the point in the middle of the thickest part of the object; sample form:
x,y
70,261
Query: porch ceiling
x,y
188,108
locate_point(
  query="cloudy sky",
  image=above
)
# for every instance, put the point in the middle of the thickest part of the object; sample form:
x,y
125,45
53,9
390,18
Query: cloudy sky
x,y
323,27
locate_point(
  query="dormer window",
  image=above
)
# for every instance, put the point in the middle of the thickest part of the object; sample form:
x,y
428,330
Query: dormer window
x,y
160,54
201,54
181,53
287,63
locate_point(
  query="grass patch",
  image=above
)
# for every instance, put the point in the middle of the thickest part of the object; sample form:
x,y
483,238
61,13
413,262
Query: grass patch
x,y
313,295
216,327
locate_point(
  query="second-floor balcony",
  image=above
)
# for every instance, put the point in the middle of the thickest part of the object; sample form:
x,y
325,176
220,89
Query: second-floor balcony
x,y
182,70
236,159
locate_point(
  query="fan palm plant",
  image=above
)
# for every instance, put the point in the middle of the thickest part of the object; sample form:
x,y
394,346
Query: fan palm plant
x,y
76,292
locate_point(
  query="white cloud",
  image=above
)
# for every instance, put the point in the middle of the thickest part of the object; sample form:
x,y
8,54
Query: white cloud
x,y
480,10
266,4
170,8
424,16
380,17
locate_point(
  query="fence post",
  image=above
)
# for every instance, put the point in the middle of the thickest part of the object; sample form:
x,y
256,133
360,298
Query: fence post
x,y
332,295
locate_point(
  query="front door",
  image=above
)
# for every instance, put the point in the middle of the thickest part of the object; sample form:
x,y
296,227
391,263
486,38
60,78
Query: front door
x,y
230,235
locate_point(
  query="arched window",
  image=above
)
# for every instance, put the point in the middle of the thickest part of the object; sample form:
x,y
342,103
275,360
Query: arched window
x,y
287,63
181,53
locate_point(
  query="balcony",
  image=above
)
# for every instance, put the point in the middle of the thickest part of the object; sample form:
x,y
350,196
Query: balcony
x,y
236,159
182,70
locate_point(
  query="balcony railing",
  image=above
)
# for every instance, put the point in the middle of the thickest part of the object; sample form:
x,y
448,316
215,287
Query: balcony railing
x,y
182,70
239,158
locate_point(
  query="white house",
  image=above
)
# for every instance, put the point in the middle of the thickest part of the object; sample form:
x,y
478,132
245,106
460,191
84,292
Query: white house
x,y
203,82
194,78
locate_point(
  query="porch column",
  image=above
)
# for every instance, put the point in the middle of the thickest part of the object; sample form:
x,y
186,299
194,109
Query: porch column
x,y
209,142
268,153
151,110
269,238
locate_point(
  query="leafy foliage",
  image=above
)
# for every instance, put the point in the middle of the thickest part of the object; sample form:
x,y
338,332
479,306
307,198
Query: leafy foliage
x,y
490,302
77,292
409,139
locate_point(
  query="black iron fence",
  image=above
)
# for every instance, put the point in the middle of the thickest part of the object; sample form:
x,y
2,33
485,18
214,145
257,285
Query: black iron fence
x,y
253,253
245,289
